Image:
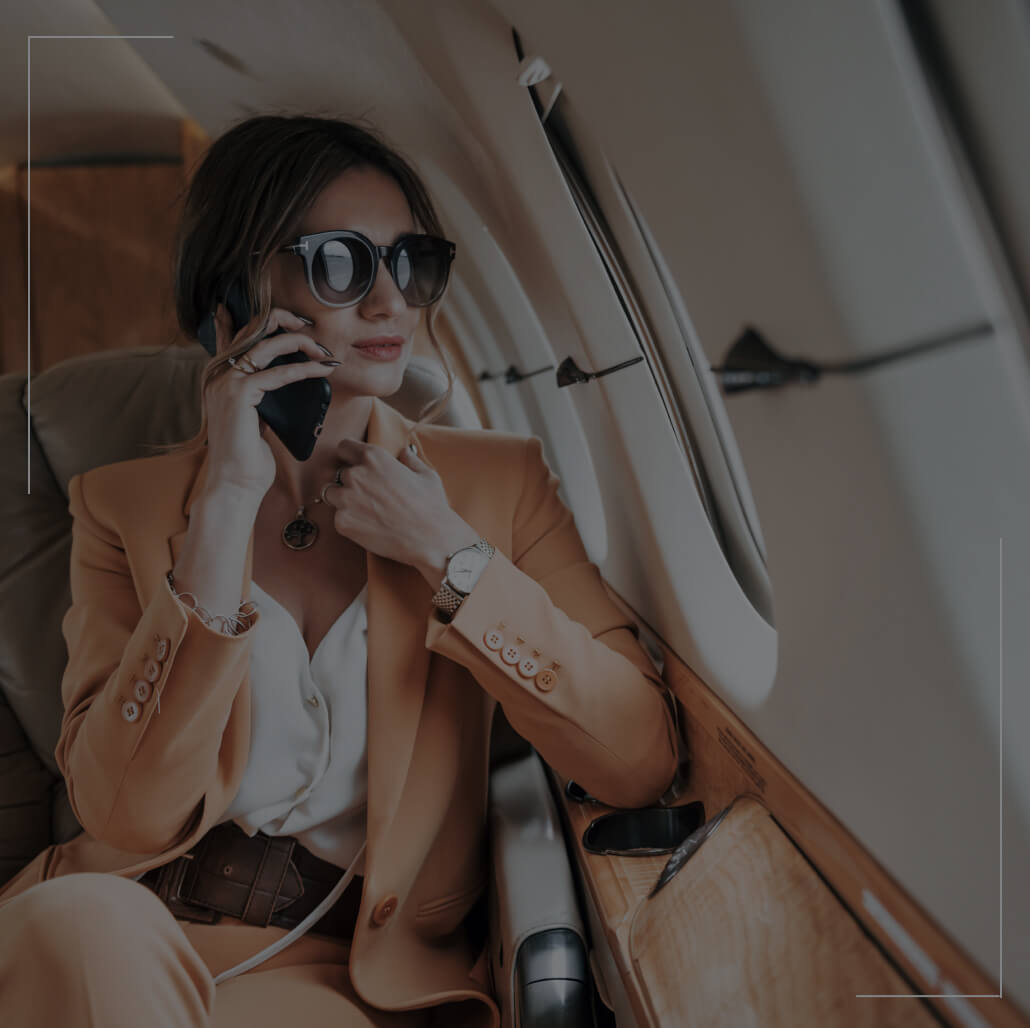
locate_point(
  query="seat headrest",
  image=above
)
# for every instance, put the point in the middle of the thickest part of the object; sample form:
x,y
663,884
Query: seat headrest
x,y
116,405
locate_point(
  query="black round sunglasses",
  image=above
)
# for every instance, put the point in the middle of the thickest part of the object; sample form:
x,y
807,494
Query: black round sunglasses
x,y
341,266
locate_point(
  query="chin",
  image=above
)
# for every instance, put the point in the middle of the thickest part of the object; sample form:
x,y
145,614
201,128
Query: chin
x,y
383,381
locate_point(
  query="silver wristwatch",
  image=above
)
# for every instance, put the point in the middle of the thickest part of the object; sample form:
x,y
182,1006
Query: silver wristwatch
x,y
464,567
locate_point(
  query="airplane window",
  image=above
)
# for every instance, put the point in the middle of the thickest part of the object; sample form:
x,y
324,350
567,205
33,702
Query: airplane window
x,y
679,369
492,319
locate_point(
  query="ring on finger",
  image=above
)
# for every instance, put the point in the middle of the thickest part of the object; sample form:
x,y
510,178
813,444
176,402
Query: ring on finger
x,y
339,471
245,360
321,495
237,365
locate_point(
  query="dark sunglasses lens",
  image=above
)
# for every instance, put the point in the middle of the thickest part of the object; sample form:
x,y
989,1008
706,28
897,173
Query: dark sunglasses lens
x,y
341,270
420,269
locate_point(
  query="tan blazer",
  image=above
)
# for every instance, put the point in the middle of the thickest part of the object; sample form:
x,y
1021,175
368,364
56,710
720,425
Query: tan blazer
x,y
147,790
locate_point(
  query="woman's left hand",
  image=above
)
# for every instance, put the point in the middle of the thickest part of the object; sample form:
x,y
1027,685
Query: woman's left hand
x,y
396,508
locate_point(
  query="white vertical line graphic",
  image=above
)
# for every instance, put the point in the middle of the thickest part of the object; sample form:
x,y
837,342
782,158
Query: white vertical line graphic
x,y
1001,772
28,269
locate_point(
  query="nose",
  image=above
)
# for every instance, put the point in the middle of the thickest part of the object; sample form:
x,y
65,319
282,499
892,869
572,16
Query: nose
x,y
384,299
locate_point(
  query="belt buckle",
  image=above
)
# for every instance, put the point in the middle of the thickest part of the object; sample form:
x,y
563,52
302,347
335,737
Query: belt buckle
x,y
181,907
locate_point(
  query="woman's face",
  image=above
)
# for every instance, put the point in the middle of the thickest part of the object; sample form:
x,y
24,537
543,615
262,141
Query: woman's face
x,y
368,201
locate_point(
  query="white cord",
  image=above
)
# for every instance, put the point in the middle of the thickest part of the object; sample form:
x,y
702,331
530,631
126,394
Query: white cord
x,y
296,932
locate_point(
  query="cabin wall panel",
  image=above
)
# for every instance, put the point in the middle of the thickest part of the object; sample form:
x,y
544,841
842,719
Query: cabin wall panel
x,y
13,294
101,248
906,258
101,264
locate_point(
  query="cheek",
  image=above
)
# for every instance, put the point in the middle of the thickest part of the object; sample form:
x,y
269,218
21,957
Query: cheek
x,y
413,322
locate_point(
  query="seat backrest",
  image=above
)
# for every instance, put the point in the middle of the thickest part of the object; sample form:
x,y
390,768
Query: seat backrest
x,y
86,412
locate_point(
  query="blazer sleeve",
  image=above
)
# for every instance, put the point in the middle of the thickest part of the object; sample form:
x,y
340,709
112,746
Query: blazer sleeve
x,y
138,771
601,716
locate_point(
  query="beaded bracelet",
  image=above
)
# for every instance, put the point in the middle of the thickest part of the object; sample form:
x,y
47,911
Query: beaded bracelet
x,y
231,624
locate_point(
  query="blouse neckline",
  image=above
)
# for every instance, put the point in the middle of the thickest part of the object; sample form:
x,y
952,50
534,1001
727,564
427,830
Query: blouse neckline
x,y
345,616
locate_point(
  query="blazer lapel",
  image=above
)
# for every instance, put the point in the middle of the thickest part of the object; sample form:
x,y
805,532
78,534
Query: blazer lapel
x,y
398,660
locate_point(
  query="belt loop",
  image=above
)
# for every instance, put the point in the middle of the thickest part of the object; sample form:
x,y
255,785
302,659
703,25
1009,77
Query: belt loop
x,y
264,891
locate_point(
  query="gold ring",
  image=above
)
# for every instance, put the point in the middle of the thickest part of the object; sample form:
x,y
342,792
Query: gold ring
x,y
245,359
233,364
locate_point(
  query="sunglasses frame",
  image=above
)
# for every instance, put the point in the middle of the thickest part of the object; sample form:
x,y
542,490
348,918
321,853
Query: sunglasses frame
x,y
307,246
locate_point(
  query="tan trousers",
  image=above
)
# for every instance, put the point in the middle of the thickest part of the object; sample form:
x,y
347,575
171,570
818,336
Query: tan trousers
x,y
103,951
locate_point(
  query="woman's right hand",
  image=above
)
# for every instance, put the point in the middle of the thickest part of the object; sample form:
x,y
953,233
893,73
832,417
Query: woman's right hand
x,y
238,454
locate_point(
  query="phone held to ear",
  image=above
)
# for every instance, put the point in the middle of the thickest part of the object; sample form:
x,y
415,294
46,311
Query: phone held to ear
x,y
295,412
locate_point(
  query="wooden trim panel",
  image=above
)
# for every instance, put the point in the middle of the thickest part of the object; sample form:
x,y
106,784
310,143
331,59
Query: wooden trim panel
x,y
728,760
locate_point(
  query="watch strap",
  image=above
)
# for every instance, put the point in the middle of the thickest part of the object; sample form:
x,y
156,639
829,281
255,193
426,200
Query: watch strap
x,y
447,599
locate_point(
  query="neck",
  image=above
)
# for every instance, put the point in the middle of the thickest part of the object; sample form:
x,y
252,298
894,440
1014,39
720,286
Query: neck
x,y
302,481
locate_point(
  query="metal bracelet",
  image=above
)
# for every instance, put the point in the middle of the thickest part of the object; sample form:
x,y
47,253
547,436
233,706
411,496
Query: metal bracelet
x,y
226,624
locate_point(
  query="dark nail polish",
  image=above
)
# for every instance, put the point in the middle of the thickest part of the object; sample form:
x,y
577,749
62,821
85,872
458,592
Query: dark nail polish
x,y
324,349
331,364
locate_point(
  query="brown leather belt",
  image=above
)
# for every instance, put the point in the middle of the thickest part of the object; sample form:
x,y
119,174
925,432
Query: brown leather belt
x,y
260,880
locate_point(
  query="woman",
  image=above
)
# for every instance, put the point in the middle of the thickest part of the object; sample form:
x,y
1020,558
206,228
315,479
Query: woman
x,y
214,735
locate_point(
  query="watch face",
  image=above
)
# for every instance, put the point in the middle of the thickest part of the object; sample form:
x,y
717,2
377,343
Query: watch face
x,y
465,568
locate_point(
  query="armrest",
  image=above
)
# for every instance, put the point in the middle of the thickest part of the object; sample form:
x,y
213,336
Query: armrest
x,y
537,946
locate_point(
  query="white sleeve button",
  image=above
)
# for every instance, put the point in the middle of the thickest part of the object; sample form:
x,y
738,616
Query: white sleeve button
x,y
528,667
151,670
130,710
493,639
142,690
161,650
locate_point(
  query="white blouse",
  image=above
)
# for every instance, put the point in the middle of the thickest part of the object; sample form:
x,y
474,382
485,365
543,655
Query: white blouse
x,y
306,774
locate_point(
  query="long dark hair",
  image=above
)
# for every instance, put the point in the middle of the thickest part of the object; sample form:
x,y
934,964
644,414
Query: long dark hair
x,y
247,199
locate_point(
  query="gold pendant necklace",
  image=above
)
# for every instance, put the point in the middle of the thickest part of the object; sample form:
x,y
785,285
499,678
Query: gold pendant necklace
x,y
300,532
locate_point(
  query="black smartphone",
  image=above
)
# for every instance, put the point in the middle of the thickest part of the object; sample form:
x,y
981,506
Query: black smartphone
x,y
295,412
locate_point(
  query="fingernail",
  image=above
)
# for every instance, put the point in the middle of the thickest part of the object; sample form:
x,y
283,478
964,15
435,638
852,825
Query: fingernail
x,y
331,364
324,349
307,321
